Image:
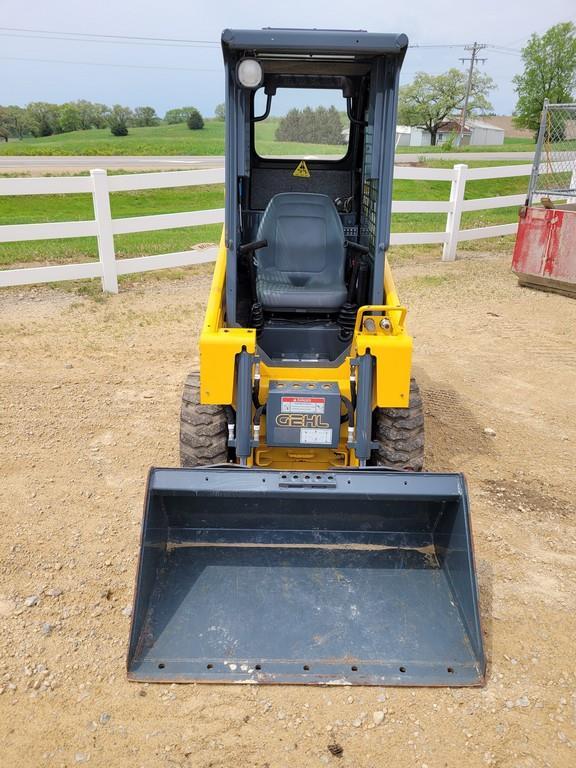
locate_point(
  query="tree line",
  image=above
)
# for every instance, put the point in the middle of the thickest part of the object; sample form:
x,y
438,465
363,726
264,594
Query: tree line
x,y
40,118
312,126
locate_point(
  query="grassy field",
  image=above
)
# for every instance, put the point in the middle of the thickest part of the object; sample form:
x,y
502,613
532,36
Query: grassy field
x,y
266,144
179,140
78,207
159,140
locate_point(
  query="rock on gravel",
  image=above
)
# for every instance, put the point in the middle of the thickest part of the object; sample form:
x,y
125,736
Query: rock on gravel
x,y
378,717
31,601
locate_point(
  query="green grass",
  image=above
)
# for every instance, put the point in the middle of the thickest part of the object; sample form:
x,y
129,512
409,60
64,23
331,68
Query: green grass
x,y
266,144
510,145
527,141
440,190
179,140
77,207
159,140
32,209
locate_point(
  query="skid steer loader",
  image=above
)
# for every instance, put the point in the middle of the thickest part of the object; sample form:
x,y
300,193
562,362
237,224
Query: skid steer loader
x,y
300,542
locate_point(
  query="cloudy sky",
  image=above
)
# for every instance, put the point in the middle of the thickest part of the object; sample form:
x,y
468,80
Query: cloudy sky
x,y
40,62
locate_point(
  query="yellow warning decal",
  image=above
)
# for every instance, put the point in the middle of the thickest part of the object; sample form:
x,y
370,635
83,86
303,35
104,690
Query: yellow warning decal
x,y
302,170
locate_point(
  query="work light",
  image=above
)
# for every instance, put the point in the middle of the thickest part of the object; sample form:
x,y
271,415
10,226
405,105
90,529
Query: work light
x,y
249,73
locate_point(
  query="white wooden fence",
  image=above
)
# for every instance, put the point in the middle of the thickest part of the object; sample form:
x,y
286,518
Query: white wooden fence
x,y
104,227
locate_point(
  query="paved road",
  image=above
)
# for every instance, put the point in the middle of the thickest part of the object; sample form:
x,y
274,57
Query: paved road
x,y
39,165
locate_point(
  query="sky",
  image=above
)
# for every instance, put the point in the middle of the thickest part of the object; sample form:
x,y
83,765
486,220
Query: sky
x,y
35,66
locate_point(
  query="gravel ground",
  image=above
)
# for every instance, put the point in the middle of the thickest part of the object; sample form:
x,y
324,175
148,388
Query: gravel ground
x,y
89,400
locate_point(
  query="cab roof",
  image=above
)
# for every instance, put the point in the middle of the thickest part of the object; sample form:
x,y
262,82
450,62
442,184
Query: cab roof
x,y
325,42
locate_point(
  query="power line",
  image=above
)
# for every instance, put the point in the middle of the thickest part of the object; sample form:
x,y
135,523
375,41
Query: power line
x,y
106,42
94,35
506,48
177,42
438,45
106,64
505,51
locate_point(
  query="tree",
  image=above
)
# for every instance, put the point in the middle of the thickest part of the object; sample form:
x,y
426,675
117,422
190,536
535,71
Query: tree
x,y
69,118
220,111
174,116
289,126
91,115
16,122
118,120
314,126
145,116
195,120
99,115
44,116
40,118
430,99
549,73
332,127
178,115
85,113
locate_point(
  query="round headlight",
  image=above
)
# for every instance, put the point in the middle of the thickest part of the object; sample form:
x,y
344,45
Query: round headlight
x,y
249,73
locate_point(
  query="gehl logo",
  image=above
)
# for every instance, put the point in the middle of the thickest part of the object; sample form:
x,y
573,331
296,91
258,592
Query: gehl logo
x,y
301,420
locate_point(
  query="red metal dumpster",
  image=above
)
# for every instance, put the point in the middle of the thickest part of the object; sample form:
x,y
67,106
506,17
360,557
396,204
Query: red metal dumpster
x,y
545,250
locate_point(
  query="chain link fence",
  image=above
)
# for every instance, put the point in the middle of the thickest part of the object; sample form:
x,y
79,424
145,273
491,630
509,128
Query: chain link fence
x,y
554,173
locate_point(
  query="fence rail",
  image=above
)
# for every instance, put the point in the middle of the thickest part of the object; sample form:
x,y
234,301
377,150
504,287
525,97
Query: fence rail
x,y
104,227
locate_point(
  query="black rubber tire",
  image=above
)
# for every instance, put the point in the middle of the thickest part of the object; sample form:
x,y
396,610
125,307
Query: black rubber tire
x,y
400,434
203,428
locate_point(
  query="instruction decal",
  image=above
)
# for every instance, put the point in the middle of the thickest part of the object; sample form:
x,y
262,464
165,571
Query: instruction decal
x,y
302,404
302,171
315,436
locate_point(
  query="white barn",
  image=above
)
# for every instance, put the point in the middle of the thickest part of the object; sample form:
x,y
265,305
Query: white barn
x,y
476,133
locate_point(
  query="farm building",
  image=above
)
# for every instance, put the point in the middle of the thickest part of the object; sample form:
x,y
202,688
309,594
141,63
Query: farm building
x,y
476,133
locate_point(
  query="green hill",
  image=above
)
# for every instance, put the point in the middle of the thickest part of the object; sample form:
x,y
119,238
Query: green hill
x,y
180,140
158,140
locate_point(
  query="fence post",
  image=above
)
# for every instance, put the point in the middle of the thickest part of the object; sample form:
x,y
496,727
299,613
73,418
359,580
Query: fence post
x,y
103,216
454,216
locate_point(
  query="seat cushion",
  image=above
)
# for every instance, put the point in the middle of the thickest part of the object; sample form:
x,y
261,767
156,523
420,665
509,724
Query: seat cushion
x,y
302,266
275,291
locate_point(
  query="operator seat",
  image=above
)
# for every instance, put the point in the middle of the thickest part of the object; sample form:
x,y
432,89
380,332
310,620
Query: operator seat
x,y
302,267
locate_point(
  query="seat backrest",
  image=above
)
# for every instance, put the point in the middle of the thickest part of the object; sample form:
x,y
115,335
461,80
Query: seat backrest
x,y
305,238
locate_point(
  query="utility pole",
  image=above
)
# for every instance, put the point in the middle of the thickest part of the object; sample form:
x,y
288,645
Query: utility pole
x,y
475,49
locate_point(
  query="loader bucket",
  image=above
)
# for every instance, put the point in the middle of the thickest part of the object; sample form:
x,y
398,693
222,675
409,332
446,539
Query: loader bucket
x,y
332,578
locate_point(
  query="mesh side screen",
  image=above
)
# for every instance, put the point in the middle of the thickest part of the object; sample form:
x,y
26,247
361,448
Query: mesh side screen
x,y
369,195
369,202
557,172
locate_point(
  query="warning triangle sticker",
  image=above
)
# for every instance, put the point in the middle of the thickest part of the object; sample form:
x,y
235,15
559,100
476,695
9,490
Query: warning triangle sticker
x,y
302,170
